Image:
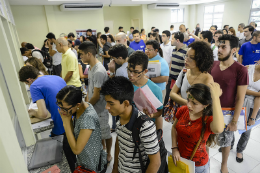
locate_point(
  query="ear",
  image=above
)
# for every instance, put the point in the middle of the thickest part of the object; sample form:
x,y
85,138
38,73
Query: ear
x,y
126,103
145,71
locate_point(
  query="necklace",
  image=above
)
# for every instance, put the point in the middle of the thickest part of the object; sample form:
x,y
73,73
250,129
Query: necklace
x,y
195,79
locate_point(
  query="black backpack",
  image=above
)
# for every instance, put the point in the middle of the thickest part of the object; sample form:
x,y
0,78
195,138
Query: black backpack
x,y
136,139
47,60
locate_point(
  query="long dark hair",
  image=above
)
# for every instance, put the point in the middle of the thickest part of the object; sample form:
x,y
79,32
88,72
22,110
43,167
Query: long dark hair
x,y
35,62
197,31
83,38
111,37
201,93
69,94
43,47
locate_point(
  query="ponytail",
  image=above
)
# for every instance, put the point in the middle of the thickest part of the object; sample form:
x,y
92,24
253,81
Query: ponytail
x,y
160,52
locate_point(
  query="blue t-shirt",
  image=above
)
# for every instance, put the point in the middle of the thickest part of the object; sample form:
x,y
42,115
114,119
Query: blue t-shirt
x,y
138,46
164,70
191,40
250,52
155,89
47,87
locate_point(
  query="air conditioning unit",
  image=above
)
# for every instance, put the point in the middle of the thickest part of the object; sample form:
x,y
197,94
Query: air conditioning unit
x,y
162,6
81,7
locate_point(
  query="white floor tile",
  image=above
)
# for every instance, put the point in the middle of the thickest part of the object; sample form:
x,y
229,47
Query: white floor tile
x,y
252,149
256,169
213,151
255,134
215,166
245,167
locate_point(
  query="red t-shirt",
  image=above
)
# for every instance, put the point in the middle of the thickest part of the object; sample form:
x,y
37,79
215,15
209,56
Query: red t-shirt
x,y
228,80
189,135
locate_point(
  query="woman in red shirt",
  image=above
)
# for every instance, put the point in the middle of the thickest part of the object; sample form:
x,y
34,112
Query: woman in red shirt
x,y
202,116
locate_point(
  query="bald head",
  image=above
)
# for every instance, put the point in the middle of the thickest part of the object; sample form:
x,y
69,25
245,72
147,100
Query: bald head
x,y
182,28
62,41
23,44
121,38
62,45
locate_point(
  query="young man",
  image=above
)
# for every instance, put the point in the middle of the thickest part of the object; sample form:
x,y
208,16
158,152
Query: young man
x,y
207,37
172,30
25,53
152,28
233,80
253,24
138,43
119,54
249,52
177,61
248,32
97,75
43,89
106,46
69,63
35,53
240,33
156,30
226,27
120,29
167,47
131,37
56,56
119,94
106,29
71,36
121,39
94,38
217,34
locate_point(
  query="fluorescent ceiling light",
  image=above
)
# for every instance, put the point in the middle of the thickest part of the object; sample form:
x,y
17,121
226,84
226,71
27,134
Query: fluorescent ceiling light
x,y
144,0
196,2
66,0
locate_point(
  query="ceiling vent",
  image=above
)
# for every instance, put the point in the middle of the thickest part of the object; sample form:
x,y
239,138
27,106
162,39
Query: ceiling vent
x,y
162,6
81,7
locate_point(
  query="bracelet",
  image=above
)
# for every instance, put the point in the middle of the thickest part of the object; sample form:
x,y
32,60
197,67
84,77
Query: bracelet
x,y
174,148
253,119
234,122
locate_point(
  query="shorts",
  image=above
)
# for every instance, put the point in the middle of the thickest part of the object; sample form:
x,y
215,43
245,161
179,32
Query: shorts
x,y
225,138
203,169
104,126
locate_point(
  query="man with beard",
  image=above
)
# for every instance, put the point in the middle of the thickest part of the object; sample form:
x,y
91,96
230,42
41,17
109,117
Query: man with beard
x,y
233,80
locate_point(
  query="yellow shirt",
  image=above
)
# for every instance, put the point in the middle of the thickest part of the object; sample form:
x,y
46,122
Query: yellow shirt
x,y
69,62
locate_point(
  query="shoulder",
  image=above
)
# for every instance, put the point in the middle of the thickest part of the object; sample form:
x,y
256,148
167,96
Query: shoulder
x,y
182,111
153,86
207,78
239,67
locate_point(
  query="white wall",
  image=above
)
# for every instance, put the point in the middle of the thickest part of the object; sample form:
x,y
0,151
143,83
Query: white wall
x,y
235,12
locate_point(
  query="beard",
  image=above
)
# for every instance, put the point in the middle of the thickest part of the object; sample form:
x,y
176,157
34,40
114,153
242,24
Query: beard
x,y
225,58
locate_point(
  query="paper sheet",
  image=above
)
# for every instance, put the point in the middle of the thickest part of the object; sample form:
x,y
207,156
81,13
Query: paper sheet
x,y
33,106
228,116
42,124
154,69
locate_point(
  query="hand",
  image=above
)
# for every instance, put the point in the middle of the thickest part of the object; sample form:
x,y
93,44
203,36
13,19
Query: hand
x,y
100,54
145,110
65,118
175,156
32,113
257,62
215,89
231,127
250,122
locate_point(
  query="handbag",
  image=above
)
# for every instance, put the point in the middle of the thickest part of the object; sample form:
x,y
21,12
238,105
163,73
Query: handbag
x,y
182,167
171,108
242,120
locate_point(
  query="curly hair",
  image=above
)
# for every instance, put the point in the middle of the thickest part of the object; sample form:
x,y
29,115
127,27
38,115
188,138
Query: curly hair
x,y
35,62
138,58
203,55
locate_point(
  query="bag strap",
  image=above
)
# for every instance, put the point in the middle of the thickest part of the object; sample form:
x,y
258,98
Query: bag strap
x,y
198,143
213,48
183,75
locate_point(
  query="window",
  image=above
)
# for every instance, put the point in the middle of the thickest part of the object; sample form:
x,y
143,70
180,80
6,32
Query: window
x,y
255,13
213,15
177,15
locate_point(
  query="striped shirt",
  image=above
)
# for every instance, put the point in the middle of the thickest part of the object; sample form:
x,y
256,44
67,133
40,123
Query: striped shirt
x,y
178,61
149,144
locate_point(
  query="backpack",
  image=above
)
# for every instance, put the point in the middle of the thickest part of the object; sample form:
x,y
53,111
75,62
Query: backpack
x,y
136,139
47,60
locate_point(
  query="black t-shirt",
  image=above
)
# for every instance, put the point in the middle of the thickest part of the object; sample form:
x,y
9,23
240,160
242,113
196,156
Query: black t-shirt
x,y
149,35
106,47
94,39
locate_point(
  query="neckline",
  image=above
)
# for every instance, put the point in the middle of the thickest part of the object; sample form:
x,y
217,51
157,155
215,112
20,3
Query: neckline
x,y
253,75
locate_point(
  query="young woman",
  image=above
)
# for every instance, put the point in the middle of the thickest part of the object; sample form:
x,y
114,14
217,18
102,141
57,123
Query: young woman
x,y
111,40
252,104
225,31
83,131
35,62
201,118
45,47
72,48
82,38
99,46
143,36
232,31
197,63
155,36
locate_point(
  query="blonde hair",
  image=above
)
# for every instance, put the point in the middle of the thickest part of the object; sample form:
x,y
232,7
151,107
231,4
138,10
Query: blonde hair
x,y
35,62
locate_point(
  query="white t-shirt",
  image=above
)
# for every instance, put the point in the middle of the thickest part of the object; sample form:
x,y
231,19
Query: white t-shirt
x,y
240,35
37,54
253,86
25,58
167,52
215,52
56,58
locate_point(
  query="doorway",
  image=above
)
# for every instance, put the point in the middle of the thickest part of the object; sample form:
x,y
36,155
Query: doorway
x,y
135,23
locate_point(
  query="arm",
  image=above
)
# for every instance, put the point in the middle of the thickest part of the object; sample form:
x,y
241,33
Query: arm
x,y
51,52
160,79
106,55
241,91
175,151
217,125
155,163
82,76
76,145
252,93
176,97
115,166
96,96
99,43
195,37
68,76
42,111
240,59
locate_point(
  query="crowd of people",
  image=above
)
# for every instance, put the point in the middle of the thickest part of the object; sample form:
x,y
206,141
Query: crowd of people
x,y
201,72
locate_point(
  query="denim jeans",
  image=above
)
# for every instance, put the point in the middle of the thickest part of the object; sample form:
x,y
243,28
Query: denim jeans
x,y
203,169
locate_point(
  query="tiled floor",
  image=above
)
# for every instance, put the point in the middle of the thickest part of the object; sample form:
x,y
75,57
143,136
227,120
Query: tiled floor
x,y
251,163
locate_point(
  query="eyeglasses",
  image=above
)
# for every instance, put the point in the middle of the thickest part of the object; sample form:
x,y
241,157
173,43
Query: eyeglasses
x,y
64,109
149,50
133,72
188,58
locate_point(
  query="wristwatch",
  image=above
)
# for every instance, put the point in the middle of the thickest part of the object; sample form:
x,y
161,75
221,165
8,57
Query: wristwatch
x,y
252,119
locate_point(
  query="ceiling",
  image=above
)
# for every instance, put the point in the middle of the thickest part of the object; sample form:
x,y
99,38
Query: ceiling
x,y
107,2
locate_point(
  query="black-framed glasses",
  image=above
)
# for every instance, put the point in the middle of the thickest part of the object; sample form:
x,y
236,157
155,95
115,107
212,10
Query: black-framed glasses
x,y
149,50
64,109
188,58
133,72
